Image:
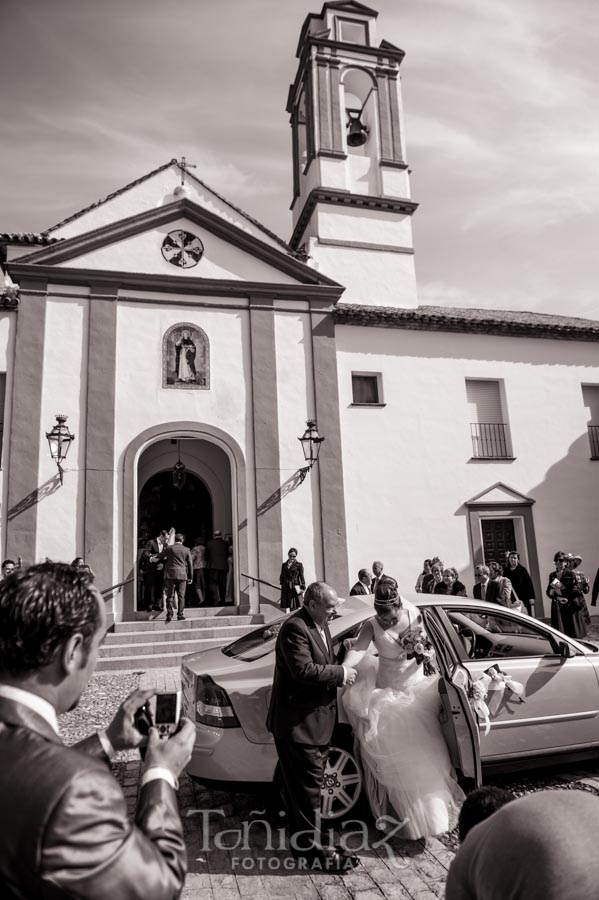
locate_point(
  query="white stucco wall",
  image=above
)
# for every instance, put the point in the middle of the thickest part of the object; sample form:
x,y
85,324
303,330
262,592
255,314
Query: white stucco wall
x,y
60,515
300,508
408,467
372,277
141,402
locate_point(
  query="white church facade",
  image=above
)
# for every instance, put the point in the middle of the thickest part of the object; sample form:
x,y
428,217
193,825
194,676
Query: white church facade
x,y
170,327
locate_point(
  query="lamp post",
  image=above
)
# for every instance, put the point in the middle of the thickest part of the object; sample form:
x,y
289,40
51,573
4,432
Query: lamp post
x,y
59,441
179,471
310,441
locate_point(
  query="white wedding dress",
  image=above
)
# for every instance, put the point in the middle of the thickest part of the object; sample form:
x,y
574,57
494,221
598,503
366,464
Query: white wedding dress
x,y
394,710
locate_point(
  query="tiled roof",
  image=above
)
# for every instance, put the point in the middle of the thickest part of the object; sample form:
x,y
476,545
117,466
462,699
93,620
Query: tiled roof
x,y
188,174
478,321
26,237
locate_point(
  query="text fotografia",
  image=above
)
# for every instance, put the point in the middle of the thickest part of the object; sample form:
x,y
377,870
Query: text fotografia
x,y
353,838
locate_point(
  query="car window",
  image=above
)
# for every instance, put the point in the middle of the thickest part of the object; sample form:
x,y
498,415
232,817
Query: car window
x,y
499,635
255,644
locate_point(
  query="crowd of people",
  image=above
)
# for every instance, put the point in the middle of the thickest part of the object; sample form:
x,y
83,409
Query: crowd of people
x,y
63,816
173,574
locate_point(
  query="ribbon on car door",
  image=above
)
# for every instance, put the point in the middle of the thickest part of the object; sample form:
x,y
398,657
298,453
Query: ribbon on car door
x,y
487,691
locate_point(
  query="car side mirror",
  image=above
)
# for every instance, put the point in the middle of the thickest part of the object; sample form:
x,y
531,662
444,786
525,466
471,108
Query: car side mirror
x,y
565,651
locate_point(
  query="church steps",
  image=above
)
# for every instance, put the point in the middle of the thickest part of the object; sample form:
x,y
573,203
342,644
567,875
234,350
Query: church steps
x,y
191,621
151,643
226,633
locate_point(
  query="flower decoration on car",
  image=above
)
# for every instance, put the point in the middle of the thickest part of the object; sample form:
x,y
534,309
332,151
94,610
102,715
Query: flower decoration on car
x,y
491,687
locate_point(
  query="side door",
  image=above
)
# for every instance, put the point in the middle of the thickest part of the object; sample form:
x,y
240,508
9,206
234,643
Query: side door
x,y
458,722
560,708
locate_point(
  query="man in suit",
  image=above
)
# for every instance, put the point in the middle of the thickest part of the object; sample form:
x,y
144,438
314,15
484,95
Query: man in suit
x,y
377,570
217,553
63,818
362,585
178,573
301,717
481,588
154,570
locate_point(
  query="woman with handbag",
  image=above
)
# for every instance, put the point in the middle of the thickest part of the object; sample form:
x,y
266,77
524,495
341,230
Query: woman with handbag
x,y
569,613
292,582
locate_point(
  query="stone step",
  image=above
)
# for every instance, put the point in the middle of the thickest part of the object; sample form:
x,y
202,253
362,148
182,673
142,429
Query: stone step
x,y
140,663
158,623
159,647
226,634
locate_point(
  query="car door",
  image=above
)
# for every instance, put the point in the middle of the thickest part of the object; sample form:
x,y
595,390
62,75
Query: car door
x,y
458,722
560,708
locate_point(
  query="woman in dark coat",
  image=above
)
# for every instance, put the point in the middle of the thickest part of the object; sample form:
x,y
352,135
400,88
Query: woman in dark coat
x,y
292,582
450,584
569,612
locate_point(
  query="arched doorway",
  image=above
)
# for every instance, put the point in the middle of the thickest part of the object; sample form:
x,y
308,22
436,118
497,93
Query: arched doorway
x,y
187,509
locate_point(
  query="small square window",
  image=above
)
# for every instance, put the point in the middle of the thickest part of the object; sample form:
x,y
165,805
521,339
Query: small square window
x,y
366,388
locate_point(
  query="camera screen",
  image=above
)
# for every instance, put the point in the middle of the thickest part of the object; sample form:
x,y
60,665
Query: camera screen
x,y
166,708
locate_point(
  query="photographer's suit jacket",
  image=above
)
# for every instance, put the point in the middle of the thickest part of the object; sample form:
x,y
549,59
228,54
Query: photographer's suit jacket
x,y
178,563
303,703
64,829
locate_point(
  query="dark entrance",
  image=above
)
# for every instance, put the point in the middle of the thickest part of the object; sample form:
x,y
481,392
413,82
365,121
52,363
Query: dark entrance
x,y
162,505
498,538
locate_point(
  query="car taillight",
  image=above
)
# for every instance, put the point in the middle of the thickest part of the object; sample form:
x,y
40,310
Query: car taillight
x,y
213,706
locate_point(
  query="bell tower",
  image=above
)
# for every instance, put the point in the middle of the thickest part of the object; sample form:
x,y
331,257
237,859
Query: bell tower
x,y
351,193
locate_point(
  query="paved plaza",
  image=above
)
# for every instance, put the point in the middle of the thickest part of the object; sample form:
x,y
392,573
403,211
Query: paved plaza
x,y
225,866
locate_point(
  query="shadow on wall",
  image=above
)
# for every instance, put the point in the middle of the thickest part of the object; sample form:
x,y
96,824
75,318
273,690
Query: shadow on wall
x,y
569,494
277,496
36,496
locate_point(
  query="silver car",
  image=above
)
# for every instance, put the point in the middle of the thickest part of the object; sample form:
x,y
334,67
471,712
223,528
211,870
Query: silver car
x,y
227,691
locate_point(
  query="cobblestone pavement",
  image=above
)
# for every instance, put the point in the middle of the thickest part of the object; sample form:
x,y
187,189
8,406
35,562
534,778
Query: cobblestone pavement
x,y
390,867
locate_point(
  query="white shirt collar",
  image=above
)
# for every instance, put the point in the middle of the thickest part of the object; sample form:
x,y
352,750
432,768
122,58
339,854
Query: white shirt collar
x,y
40,706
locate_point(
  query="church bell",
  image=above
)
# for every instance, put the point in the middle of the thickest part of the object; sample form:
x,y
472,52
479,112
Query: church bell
x,y
357,132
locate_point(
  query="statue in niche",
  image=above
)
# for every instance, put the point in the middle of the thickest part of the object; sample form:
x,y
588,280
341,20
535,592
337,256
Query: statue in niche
x,y
185,357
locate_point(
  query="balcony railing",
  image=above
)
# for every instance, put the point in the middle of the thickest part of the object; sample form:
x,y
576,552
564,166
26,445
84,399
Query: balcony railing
x,y
594,441
489,440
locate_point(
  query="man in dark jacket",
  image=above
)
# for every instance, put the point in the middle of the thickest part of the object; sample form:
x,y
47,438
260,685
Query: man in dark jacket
x,y
178,573
522,584
64,828
362,585
302,715
217,552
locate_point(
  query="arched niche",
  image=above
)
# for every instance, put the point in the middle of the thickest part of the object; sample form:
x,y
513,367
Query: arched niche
x,y
186,358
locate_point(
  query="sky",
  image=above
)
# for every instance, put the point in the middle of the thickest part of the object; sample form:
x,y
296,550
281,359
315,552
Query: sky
x,y
501,116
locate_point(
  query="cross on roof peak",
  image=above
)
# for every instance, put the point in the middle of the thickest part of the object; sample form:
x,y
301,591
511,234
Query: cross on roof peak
x,y
184,166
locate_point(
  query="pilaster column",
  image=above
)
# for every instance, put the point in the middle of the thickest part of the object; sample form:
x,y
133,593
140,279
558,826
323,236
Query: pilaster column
x,y
25,422
99,436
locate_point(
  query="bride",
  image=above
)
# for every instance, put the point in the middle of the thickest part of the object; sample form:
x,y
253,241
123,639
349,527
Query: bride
x,y
394,710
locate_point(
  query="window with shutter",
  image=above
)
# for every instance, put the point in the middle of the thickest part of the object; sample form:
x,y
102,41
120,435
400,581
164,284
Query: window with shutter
x,y
366,389
487,426
590,396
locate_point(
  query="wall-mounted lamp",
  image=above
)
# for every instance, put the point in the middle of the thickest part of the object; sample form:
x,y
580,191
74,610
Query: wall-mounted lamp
x,y
59,440
310,441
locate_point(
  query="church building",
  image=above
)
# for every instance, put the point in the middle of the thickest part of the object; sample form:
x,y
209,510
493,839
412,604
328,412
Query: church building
x,y
186,347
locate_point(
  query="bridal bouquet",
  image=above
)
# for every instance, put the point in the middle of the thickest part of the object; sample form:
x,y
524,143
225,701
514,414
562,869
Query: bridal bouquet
x,y
418,646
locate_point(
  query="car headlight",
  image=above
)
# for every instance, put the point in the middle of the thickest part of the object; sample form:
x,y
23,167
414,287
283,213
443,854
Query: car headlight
x,y
213,705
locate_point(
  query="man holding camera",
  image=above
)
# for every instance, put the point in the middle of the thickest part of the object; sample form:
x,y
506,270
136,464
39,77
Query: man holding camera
x,y
63,818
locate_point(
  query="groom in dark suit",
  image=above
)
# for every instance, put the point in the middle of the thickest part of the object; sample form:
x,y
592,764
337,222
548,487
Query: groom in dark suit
x,y
302,716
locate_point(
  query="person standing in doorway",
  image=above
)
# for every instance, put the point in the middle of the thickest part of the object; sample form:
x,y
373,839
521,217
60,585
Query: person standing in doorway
x,y
217,551
154,574
178,573
198,555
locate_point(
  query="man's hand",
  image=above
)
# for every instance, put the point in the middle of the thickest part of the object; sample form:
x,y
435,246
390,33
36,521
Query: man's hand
x,y
122,733
174,753
350,674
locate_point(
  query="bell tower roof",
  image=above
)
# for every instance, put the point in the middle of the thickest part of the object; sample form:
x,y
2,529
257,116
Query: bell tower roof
x,y
344,22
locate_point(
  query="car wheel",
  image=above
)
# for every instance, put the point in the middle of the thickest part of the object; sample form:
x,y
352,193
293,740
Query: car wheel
x,y
343,782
